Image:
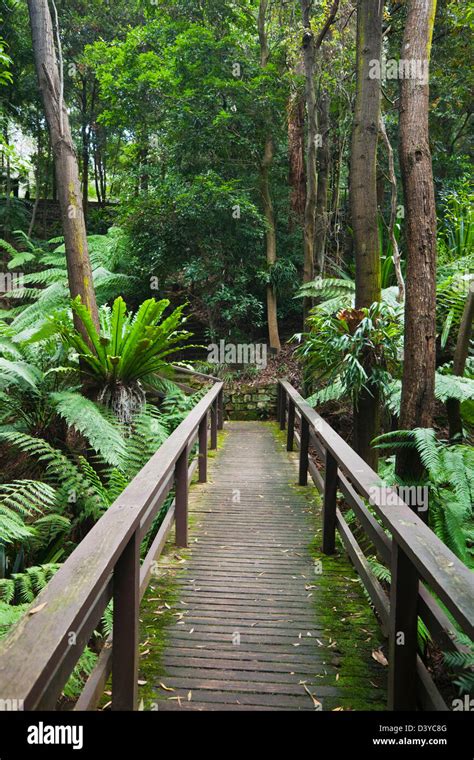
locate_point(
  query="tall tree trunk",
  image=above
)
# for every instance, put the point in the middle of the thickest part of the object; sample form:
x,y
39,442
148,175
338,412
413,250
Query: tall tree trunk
x,y
453,406
363,197
323,163
67,174
393,212
417,404
296,161
309,55
265,167
85,138
311,45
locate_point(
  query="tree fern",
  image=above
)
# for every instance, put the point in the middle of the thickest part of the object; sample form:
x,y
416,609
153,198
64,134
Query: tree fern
x,y
85,416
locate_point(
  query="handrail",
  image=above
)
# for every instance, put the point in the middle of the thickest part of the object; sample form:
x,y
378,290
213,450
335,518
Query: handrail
x,y
416,553
40,652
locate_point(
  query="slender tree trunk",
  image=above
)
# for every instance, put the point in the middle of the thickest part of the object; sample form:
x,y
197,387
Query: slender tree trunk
x,y
393,212
363,169
453,406
309,55
363,197
67,175
265,167
417,404
296,161
37,177
323,163
85,149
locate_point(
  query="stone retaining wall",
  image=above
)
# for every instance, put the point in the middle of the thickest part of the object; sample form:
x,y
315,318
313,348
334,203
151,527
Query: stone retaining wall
x,y
246,402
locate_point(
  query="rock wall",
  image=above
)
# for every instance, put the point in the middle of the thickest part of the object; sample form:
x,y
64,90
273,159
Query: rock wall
x,y
246,402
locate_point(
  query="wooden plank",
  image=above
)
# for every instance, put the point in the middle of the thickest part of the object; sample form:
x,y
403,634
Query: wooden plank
x,y
125,627
250,574
402,684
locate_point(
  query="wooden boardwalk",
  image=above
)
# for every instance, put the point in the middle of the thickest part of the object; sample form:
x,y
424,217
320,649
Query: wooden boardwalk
x,y
259,619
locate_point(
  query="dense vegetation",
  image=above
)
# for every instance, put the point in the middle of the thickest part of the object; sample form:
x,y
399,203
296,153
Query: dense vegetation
x,y
230,165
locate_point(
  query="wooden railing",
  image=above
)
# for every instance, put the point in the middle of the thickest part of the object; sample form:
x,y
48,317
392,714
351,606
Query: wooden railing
x,y
421,565
39,654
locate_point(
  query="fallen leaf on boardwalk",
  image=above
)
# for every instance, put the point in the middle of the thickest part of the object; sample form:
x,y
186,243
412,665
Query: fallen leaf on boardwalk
x,y
296,645
141,706
176,699
142,654
376,686
316,703
107,704
192,630
142,683
166,688
190,696
320,643
37,609
379,657
337,676
167,606
337,709
108,693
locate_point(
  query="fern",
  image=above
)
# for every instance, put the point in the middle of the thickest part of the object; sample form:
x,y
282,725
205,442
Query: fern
x,y
462,661
450,479
83,415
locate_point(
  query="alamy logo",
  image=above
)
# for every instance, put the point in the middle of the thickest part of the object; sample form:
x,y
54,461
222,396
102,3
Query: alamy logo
x,y
11,281
45,734
237,353
405,68
11,705
415,497
465,704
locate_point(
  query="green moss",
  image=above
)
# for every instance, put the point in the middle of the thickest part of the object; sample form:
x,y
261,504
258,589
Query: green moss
x,y
351,630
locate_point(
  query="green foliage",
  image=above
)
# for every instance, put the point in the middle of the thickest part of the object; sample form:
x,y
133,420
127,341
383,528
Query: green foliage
x,y
44,282
462,663
338,348
450,479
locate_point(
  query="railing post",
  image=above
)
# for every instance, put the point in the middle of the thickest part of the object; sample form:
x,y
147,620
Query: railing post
x,y
126,598
330,504
402,674
279,392
291,425
283,409
304,448
213,444
181,498
203,449
220,410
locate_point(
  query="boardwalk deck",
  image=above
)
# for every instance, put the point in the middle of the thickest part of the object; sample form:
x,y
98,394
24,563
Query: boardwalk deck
x,y
255,617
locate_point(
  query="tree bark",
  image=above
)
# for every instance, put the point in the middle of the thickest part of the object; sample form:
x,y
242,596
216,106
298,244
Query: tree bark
x,y
265,167
323,162
296,161
65,160
363,169
364,209
309,54
417,403
393,213
453,406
